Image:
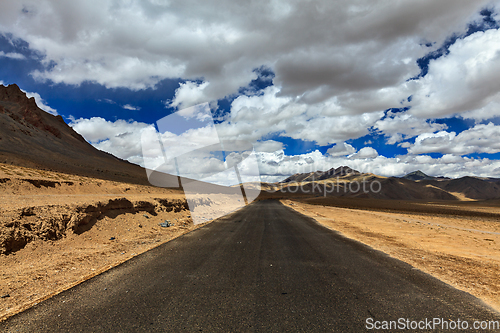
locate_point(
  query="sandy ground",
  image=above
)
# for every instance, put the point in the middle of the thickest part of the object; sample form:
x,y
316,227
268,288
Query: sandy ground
x,y
463,252
57,230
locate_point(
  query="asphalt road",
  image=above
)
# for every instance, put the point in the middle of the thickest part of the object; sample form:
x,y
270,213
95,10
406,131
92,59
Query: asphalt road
x,y
264,268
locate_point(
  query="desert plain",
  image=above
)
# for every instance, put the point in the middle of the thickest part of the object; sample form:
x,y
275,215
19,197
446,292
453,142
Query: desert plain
x,y
58,230
456,242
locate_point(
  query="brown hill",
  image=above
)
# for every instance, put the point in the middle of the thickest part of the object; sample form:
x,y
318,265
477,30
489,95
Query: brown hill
x,y
31,137
471,187
404,189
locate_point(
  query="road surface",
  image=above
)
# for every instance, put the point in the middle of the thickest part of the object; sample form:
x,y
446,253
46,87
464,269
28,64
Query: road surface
x,y
265,268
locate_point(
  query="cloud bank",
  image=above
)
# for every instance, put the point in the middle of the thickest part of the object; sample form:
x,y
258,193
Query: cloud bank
x,y
342,70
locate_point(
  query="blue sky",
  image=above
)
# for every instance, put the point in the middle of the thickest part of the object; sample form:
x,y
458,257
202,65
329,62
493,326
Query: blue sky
x,y
383,88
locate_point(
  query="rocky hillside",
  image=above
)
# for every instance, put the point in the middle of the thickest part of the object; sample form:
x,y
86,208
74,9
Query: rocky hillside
x,y
31,137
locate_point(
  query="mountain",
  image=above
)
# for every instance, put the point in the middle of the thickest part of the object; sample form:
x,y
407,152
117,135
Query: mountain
x,y
321,175
417,175
347,182
33,138
470,187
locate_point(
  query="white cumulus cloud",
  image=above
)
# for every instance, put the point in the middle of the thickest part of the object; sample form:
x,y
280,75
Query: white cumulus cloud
x,y
463,81
363,153
12,55
254,117
482,138
403,126
341,149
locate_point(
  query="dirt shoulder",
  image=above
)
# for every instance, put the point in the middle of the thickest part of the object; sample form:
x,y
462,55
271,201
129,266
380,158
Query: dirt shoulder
x,y
463,252
44,268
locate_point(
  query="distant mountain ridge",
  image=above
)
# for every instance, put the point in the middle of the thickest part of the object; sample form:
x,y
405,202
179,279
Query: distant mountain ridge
x,y
321,175
413,186
417,175
31,137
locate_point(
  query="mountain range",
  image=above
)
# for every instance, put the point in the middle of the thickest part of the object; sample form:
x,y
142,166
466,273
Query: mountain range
x,y
413,186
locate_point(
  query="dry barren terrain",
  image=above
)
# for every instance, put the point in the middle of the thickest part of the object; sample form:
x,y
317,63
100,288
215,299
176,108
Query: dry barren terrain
x,y
57,230
455,242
